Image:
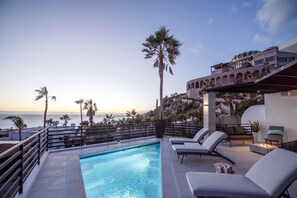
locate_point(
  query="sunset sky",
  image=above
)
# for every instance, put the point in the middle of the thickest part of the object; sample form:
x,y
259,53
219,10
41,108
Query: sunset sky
x,y
92,49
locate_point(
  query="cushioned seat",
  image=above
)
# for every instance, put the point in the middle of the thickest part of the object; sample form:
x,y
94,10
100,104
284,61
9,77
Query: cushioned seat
x,y
269,177
197,138
237,134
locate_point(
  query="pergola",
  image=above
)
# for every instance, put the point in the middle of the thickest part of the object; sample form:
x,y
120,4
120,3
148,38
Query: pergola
x,y
281,80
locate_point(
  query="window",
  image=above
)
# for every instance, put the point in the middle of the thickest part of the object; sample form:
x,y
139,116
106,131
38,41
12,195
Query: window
x,y
268,59
258,62
291,59
282,59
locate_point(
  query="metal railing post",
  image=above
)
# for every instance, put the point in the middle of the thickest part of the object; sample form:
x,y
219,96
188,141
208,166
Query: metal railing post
x,y
22,168
81,136
38,162
47,141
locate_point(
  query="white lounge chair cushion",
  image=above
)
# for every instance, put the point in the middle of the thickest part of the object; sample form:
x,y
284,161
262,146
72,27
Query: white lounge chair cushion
x,y
211,142
180,140
223,185
274,172
189,148
199,135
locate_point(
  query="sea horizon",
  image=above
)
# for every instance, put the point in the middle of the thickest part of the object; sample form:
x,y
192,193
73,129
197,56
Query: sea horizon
x,y
35,119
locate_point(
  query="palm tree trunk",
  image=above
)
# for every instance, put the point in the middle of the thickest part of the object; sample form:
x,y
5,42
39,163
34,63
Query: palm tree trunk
x,y
81,119
91,120
45,112
161,90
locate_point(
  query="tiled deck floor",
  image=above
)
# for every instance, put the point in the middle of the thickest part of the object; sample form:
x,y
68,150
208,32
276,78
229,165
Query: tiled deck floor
x,y
60,176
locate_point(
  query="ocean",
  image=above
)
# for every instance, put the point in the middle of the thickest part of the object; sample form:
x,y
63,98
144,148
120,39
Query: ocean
x,y
36,119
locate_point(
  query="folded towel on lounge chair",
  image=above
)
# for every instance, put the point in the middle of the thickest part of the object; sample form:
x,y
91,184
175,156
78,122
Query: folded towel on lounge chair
x,y
269,177
197,138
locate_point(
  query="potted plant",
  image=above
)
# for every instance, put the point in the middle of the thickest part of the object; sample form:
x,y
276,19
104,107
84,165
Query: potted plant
x,y
255,128
159,122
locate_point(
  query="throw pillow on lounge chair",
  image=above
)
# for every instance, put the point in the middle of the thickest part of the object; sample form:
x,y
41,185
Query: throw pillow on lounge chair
x,y
197,138
269,177
207,148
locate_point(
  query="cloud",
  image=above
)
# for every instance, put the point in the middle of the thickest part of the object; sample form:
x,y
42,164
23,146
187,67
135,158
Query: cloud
x,y
197,49
233,9
210,21
275,14
262,39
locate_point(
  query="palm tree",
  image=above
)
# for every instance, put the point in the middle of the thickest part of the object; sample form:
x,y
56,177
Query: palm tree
x,y
18,123
92,108
43,93
49,121
80,102
165,49
229,101
109,119
66,118
131,114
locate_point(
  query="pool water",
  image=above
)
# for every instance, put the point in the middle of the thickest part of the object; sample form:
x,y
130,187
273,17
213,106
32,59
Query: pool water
x,y
131,172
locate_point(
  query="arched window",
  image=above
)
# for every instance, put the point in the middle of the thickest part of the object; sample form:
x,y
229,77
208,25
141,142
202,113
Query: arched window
x,y
225,79
218,81
197,85
232,78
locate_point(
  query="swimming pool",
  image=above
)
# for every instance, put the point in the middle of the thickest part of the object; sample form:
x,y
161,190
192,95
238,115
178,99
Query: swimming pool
x,y
129,172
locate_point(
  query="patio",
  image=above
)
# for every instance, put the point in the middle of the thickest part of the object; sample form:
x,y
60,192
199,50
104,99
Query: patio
x,y
60,176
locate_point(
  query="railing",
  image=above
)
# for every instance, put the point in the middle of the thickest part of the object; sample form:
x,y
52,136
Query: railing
x,y
17,163
182,129
79,136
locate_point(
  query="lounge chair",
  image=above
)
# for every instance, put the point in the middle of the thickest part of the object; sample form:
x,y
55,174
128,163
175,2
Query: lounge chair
x,y
207,148
197,138
269,177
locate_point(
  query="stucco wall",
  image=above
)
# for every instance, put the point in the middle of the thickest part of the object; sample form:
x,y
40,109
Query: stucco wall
x,y
254,113
282,111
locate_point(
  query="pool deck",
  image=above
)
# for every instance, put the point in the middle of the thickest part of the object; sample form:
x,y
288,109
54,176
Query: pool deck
x,y
60,175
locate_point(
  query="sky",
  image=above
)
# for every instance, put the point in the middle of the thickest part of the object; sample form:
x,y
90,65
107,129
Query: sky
x,y
92,49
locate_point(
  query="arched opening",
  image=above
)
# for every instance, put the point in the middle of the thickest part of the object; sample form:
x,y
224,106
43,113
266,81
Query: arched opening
x,y
232,78
225,79
218,81
239,77
197,85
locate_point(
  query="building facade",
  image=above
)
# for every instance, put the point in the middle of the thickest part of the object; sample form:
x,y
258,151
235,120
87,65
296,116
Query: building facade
x,y
244,67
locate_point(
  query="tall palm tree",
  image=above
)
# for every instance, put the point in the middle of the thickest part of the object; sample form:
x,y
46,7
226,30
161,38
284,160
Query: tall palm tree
x,y
80,102
18,123
165,49
43,93
66,118
92,108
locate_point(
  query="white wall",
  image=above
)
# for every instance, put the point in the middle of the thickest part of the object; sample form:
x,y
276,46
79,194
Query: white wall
x,y
282,111
254,113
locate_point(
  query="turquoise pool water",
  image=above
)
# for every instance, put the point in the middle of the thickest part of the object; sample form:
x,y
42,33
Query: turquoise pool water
x,y
131,172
